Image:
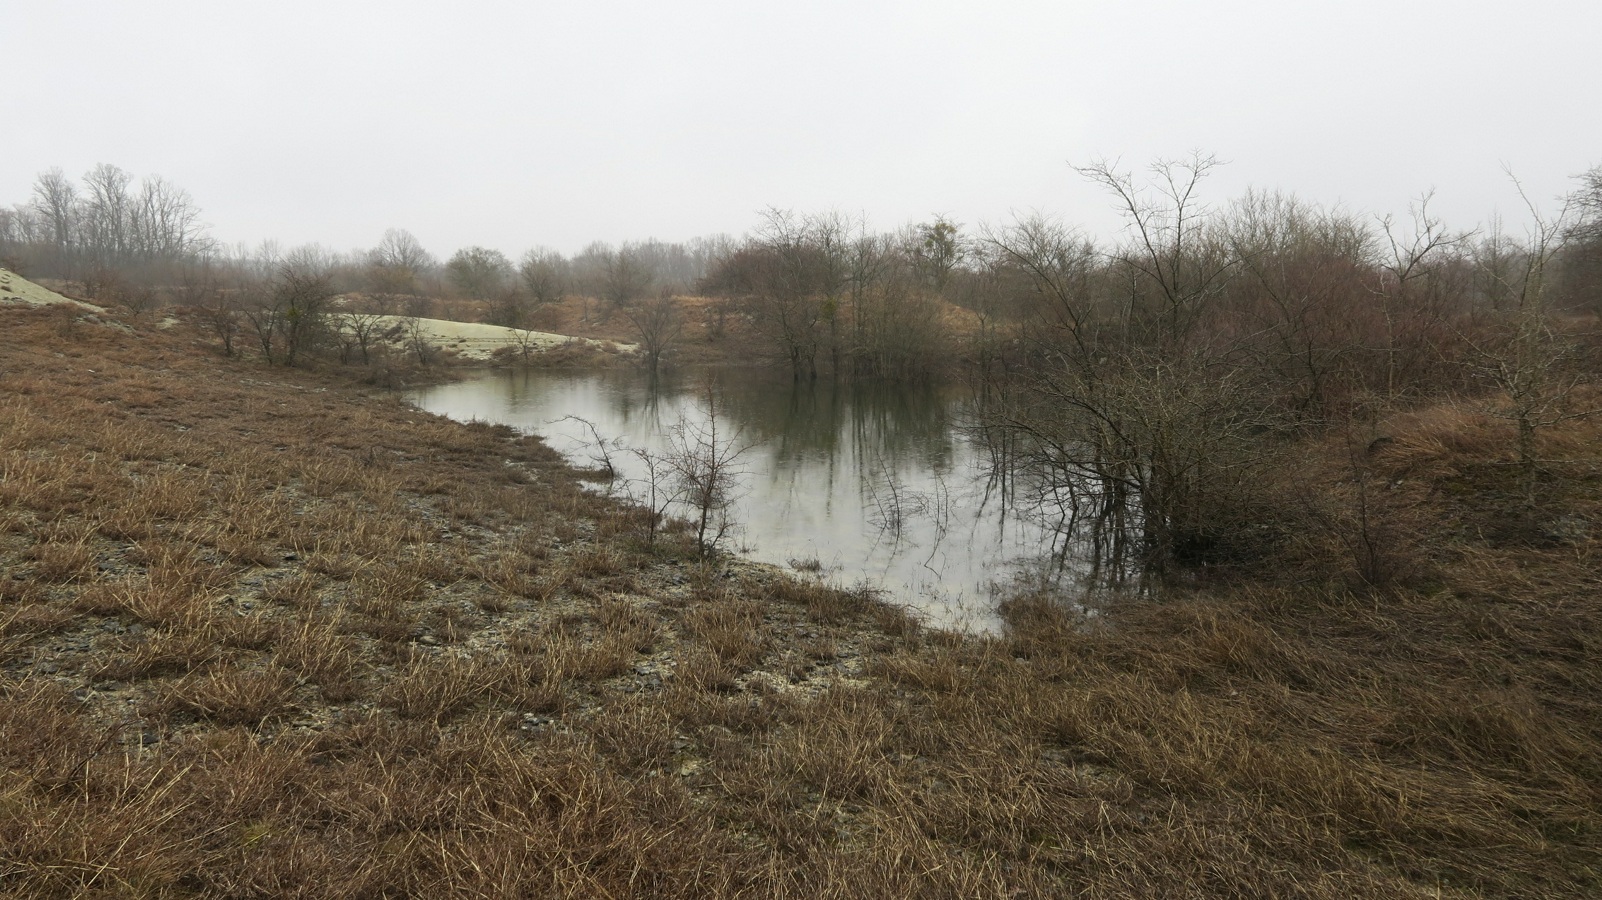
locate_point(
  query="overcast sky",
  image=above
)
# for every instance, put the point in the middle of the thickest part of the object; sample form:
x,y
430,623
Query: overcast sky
x,y
522,123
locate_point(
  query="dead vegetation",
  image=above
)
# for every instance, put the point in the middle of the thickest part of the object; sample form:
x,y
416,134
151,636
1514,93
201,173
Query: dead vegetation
x,y
264,633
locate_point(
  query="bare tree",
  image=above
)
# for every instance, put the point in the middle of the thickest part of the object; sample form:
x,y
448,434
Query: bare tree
x,y
1174,269
699,468
1535,366
704,458
418,341
116,231
658,323
657,491
792,278
587,273
304,289
936,248
509,307
364,330
396,264
600,447
1496,258
1302,295
1143,430
261,311
544,275
165,222
108,215
20,236
1580,272
1412,287
767,283
55,198
289,313
200,287
527,341
1587,201
478,272
626,279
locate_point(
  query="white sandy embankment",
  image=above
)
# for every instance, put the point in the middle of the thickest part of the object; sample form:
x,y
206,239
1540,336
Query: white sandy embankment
x,y
472,340
18,291
468,340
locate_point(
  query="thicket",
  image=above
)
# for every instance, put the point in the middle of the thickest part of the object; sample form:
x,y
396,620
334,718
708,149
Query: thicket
x,y
1153,388
1141,393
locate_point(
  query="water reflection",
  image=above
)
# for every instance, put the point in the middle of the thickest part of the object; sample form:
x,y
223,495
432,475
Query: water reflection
x,y
873,482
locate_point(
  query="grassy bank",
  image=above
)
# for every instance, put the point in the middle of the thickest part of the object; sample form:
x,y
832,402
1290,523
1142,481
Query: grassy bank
x,y
269,632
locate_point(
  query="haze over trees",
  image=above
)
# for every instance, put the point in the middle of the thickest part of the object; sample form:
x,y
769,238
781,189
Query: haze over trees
x,y
1141,387
105,228
397,265
478,272
544,275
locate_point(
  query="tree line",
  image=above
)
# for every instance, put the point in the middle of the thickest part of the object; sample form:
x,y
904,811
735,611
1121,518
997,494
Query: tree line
x,y
1152,392
1145,393
108,223
138,239
1140,391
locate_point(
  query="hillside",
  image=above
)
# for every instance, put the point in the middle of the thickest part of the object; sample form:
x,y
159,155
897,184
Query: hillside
x,y
18,291
268,631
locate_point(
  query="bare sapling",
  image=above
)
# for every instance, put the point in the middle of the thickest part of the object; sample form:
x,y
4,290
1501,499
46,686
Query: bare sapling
x,y
697,469
418,341
703,458
892,500
656,490
360,332
1531,361
600,447
220,313
527,342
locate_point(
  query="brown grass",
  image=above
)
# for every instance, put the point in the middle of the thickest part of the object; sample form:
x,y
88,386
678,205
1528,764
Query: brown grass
x,y
237,695
319,650
264,634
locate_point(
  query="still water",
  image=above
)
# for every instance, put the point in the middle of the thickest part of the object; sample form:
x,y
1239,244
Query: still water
x,y
874,484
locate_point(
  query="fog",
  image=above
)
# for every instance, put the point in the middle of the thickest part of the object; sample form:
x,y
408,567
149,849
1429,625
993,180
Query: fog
x,y
512,125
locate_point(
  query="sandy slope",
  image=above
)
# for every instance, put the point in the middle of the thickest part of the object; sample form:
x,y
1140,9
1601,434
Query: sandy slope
x,y
471,340
14,289
468,339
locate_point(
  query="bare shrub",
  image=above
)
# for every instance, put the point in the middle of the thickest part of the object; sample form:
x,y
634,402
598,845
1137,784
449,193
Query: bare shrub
x,y
703,459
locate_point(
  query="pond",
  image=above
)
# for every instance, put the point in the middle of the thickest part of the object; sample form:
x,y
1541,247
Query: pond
x,y
864,483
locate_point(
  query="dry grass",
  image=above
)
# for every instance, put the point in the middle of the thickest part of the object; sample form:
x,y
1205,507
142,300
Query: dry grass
x,y
435,687
237,695
319,651
731,627
263,635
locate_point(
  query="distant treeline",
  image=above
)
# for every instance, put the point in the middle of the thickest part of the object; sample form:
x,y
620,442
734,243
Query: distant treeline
x,y
1144,388
109,222
111,227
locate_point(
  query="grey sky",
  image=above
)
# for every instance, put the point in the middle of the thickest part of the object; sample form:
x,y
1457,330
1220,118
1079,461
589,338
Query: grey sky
x,y
515,124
